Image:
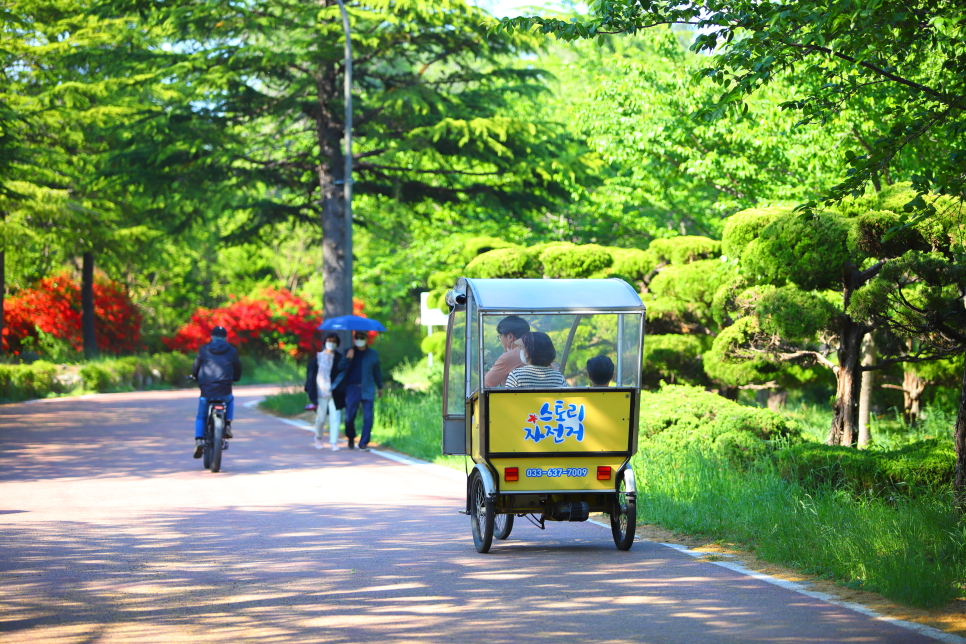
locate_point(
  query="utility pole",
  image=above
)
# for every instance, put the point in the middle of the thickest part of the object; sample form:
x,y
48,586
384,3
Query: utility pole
x,y
347,261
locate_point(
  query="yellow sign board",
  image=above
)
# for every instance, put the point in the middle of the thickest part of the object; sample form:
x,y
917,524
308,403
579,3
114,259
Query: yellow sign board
x,y
532,422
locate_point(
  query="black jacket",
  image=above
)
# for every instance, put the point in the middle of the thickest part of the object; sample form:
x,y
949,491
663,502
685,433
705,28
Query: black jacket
x,y
216,367
312,385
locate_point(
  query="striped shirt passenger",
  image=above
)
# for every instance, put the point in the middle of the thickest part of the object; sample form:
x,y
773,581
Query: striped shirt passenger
x,y
533,376
538,353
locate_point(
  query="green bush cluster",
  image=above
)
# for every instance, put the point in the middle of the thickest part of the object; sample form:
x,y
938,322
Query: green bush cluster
x,y
575,262
136,372
502,263
922,466
28,381
681,417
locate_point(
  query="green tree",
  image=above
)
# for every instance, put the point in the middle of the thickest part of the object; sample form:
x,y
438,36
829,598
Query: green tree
x,y
60,64
441,113
811,284
632,100
845,53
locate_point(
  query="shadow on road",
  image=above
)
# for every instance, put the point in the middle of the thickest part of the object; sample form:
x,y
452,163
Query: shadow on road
x,y
346,573
132,435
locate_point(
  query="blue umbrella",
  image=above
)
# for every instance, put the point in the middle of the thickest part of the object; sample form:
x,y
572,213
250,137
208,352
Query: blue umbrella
x,y
351,323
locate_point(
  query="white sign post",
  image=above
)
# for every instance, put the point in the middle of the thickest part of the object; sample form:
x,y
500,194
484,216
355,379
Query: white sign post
x,y
430,317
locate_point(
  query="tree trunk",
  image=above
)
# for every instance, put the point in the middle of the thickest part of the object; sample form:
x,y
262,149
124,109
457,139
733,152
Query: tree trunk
x,y
959,438
777,399
331,171
848,375
87,306
865,393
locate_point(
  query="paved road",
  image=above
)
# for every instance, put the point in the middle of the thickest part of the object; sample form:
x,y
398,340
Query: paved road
x,y
111,532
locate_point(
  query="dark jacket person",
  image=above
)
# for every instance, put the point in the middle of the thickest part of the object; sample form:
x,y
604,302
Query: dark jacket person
x,y
216,368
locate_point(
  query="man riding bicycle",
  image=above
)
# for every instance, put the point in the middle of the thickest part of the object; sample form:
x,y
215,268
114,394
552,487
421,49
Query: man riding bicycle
x,y
215,368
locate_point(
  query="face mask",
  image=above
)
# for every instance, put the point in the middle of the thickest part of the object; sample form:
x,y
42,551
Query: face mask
x,y
523,355
330,346
359,343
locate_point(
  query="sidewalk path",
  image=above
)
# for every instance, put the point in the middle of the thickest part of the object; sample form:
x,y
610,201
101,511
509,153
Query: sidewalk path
x,y
111,532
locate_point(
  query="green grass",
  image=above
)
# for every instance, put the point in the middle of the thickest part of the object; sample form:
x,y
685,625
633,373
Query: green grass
x,y
910,550
411,423
290,401
888,431
284,372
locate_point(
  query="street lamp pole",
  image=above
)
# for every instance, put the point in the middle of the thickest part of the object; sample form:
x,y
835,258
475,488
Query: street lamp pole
x,y
347,261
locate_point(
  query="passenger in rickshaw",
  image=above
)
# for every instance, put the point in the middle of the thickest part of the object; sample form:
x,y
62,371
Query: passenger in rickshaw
x,y
539,354
510,329
600,370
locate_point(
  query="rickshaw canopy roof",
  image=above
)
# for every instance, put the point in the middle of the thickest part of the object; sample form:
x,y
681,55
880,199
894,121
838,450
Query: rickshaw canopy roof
x,y
555,295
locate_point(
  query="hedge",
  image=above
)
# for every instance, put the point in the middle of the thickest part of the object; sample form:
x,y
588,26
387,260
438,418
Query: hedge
x,y
24,382
575,262
137,372
924,466
679,417
42,379
684,249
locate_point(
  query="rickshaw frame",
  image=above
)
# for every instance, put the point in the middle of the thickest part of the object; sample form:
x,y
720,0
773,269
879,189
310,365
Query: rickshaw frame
x,y
473,424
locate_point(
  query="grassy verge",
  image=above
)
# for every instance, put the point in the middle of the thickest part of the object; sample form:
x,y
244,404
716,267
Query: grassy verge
x,y
290,401
410,423
911,550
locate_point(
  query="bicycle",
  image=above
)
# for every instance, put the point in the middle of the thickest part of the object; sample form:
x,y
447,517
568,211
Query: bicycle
x,y
215,440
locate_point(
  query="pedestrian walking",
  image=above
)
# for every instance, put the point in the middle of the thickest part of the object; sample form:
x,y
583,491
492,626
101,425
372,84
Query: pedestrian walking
x,y
363,382
323,380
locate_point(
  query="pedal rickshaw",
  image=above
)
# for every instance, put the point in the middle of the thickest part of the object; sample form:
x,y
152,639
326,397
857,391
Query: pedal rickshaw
x,y
550,454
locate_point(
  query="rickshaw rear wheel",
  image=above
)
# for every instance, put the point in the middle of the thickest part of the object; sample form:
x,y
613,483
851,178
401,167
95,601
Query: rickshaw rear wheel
x,y
502,526
482,515
623,517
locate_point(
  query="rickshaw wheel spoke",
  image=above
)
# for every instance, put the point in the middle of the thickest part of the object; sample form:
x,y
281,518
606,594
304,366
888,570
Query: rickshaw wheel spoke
x,y
502,526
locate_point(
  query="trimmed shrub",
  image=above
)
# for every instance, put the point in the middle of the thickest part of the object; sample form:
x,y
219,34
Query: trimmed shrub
x,y
27,381
632,263
684,249
475,246
691,413
919,467
502,263
575,262
137,372
743,227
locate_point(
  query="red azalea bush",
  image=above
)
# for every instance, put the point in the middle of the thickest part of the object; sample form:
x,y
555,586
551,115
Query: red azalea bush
x,y
272,323
53,306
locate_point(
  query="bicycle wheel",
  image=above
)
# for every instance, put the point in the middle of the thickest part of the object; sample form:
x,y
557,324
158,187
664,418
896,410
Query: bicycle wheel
x,y
481,515
623,518
207,449
502,525
217,440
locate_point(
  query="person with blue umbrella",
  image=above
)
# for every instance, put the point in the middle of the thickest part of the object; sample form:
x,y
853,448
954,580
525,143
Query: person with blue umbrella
x,y
363,374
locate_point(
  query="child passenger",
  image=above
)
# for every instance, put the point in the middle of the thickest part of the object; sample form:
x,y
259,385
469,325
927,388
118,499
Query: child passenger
x,y
600,370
